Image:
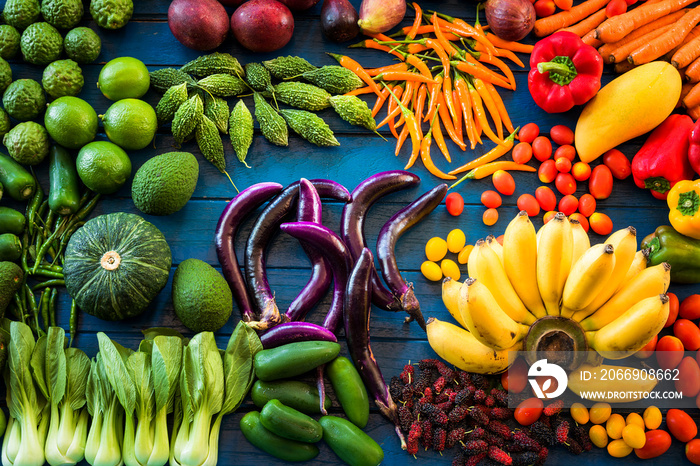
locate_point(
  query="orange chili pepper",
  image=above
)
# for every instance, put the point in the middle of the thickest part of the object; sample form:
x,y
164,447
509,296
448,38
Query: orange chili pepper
x,y
490,156
360,91
408,95
413,127
447,92
483,73
417,48
425,156
458,115
509,45
492,60
440,140
382,69
490,106
371,44
381,98
501,53
419,64
403,76
402,137
465,30
430,29
492,167
420,101
390,116
434,91
390,108
461,86
501,106
350,64
449,49
447,122
379,36
416,22
477,105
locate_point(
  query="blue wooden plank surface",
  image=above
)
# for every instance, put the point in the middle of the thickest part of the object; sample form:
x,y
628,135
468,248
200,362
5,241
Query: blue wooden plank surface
x,y
190,231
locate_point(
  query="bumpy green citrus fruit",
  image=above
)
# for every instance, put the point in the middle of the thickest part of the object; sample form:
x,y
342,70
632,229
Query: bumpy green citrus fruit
x,y
27,143
82,45
24,99
130,123
5,123
71,122
9,41
63,14
21,13
111,14
5,75
124,78
41,44
103,166
62,77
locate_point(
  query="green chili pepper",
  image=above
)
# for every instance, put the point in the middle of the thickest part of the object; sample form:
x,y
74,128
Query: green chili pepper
x,y
53,300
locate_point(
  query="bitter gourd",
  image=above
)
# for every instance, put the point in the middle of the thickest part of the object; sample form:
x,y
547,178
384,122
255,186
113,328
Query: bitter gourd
x,y
310,127
272,125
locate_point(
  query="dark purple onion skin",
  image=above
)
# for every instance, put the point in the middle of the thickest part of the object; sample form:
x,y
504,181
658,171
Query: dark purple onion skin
x,y
235,211
390,233
339,20
326,240
310,210
260,236
352,223
290,332
510,19
357,310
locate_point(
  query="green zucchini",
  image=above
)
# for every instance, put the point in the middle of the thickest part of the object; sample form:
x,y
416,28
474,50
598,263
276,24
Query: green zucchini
x,y
17,181
349,442
64,190
293,393
11,221
277,446
289,423
350,390
293,359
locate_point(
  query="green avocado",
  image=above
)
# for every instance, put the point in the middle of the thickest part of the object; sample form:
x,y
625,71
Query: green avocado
x,y
165,183
24,99
201,297
21,13
62,14
11,276
9,41
27,143
62,77
41,44
111,14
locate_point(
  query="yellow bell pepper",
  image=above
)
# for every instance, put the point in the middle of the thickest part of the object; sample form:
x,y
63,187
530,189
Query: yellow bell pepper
x,y
684,202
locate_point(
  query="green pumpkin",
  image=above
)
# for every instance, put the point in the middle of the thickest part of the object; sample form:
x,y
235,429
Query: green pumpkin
x,y
115,265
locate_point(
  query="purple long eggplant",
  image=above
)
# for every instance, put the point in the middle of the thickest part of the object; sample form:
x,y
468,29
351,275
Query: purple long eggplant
x,y
326,240
310,210
236,210
290,332
352,223
356,319
390,233
260,236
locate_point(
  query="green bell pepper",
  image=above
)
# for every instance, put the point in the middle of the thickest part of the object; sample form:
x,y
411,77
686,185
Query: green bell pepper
x,y
682,252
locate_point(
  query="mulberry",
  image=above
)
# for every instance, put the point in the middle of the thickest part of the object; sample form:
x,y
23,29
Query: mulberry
x,y
526,458
493,439
455,436
464,378
405,418
457,414
480,381
528,443
500,429
476,459
406,393
489,401
412,446
426,433
543,433
439,384
562,431
422,381
580,434
479,396
500,456
553,408
439,438
478,415
573,446
475,446
395,388
501,396
450,394
501,413
475,434
445,406
542,454
465,395
408,374
459,460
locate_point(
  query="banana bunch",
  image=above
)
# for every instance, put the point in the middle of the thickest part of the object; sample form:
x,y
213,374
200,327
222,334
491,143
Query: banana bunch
x,y
618,303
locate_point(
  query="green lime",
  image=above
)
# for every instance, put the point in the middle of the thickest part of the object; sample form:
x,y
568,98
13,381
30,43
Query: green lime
x,y
124,78
71,122
82,45
104,167
130,123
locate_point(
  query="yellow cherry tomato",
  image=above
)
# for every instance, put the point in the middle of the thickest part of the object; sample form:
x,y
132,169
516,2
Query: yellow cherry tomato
x,y
634,436
636,419
450,269
580,413
619,449
598,436
431,271
456,240
652,417
435,249
463,256
600,412
614,426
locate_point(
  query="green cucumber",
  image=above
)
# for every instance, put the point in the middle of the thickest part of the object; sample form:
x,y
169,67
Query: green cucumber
x,y
18,182
277,446
10,247
350,390
293,393
350,444
64,190
293,359
289,423
11,221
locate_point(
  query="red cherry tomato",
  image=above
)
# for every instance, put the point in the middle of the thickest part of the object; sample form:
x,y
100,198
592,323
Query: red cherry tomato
x,y
514,380
618,163
528,411
673,309
581,171
690,307
615,7
522,152
692,451
491,199
568,204
564,4
567,151
503,182
587,205
630,2
688,333
546,198
542,148
688,380
547,171
577,217
563,164
669,352
529,132
545,8
681,425
600,183
565,183
529,204
561,135
549,216
647,350
658,442
600,223
454,204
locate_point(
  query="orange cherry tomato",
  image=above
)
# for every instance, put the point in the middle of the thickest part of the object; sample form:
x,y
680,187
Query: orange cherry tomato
x,y
514,380
647,350
658,442
587,205
454,202
600,223
499,238
618,163
529,132
615,7
565,183
581,171
563,164
545,8
522,152
529,204
681,425
546,198
542,148
549,216
580,219
564,5
669,352
673,309
688,381
528,411
491,199
601,182
490,217
547,171
560,134
568,204
688,333
692,451
567,151
690,307
503,182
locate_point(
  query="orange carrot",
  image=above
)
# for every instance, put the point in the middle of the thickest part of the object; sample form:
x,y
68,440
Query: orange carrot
x,y
382,69
623,67
491,60
685,89
416,22
509,45
584,27
621,53
350,64
490,156
668,40
548,25
589,39
617,27
692,72
505,118
490,106
490,168
693,98
694,112
688,52
605,49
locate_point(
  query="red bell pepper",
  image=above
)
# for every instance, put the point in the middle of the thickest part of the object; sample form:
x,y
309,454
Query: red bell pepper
x,y
663,159
694,148
564,71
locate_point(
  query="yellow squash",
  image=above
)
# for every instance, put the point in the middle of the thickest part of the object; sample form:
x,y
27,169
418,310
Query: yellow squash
x,y
629,106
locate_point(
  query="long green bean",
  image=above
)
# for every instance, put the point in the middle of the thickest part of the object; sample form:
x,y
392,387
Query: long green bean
x,y
52,282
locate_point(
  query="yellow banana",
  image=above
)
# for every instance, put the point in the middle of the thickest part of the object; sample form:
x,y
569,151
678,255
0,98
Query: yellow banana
x,y
632,330
490,272
471,261
461,349
520,262
554,261
582,242
485,319
639,263
651,281
625,243
450,297
496,246
588,276
601,383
